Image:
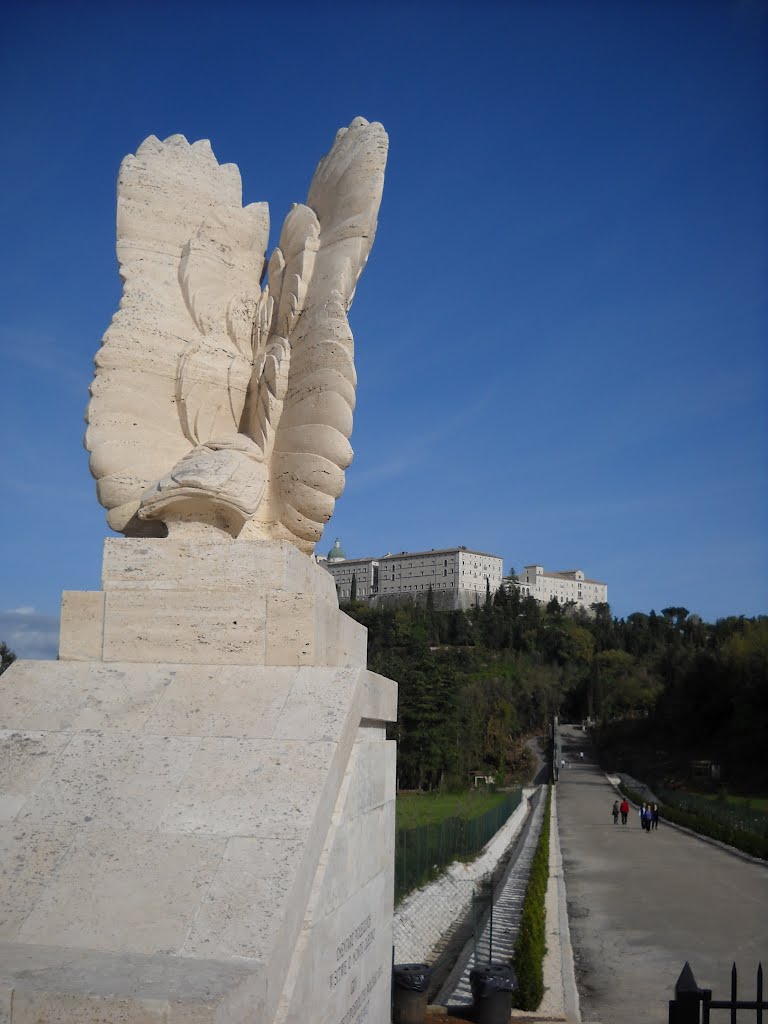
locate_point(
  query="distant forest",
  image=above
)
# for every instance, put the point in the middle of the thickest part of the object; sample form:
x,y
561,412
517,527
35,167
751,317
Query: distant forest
x,y
663,688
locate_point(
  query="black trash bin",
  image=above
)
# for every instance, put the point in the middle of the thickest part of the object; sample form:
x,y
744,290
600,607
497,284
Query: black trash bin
x,y
409,992
492,987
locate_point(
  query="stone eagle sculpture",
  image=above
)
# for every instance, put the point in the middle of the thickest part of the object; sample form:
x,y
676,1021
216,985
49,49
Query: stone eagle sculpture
x,y
219,405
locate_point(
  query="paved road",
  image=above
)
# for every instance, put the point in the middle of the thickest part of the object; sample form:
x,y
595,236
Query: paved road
x,y
640,905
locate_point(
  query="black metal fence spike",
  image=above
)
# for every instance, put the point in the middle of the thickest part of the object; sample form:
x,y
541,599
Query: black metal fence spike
x,y
689,1000
759,991
734,995
686,982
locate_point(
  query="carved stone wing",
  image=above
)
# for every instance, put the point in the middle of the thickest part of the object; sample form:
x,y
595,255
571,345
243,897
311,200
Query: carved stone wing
x,y
311,445
176,360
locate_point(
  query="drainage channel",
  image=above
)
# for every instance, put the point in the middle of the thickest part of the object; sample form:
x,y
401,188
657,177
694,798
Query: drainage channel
x,y
508,896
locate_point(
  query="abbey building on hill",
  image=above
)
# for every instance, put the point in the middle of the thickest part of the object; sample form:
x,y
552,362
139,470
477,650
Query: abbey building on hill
x,y
457,578
566,585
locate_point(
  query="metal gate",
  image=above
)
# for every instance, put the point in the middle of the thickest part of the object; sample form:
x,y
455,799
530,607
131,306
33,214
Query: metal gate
x,y
693,1005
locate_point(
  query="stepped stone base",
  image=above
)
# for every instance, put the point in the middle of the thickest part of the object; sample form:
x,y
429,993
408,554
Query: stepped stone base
x,y
226,602
186,836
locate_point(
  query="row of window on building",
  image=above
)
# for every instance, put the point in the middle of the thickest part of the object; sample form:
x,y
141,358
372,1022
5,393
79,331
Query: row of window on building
x,y
455,568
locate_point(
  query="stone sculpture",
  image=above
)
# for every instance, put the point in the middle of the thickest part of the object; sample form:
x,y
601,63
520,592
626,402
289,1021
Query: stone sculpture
x,y
197,820
218,404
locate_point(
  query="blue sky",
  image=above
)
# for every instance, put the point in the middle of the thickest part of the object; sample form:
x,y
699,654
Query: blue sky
x,y
560,335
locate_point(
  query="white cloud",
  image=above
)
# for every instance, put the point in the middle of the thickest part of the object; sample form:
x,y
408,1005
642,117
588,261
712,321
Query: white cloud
x,y
29,633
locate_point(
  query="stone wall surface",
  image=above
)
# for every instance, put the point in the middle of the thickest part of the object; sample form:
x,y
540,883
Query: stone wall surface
x,y
442,600
197,826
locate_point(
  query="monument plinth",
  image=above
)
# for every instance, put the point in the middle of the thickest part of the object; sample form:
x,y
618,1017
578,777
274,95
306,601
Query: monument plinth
x,y
228,602
197,799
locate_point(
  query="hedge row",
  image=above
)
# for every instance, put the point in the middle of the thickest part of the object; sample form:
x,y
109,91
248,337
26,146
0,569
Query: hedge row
x,y
747,842
740,816
530,947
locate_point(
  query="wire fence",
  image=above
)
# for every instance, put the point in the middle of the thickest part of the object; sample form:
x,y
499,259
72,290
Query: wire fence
x,y
741,815
421,852
489,927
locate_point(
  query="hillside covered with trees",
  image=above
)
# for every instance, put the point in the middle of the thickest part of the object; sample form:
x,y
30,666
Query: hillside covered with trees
x,y
664,688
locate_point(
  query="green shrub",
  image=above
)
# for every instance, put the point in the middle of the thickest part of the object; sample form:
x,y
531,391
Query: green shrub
x,y
744,840
731,813
530,947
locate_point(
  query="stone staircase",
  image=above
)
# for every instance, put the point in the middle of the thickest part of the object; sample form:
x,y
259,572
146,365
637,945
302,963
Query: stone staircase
x,y
507,907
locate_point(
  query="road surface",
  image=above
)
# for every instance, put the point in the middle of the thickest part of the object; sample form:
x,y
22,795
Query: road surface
x,y
640,904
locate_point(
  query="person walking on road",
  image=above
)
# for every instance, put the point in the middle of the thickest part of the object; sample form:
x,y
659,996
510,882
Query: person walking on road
x,y
624,808
642,816
655,817
615,812
647,816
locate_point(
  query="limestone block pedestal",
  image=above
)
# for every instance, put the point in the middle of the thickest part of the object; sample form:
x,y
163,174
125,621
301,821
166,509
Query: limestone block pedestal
x,y
197,800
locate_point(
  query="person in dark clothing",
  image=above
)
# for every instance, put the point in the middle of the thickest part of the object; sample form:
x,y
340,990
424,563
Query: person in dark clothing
x,y
655,816
615,812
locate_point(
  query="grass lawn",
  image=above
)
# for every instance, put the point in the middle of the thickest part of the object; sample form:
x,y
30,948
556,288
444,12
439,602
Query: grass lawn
x,y
757,803
414,809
